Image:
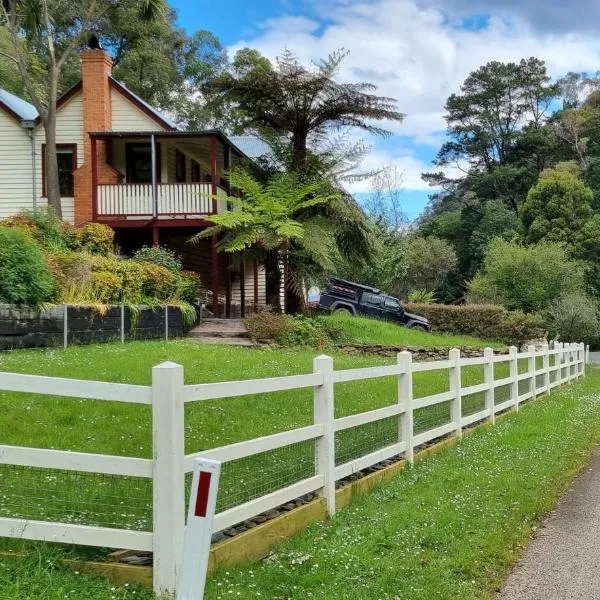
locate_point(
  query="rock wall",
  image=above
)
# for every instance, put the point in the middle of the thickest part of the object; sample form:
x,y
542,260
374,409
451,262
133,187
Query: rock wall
x,y
421,354
23,327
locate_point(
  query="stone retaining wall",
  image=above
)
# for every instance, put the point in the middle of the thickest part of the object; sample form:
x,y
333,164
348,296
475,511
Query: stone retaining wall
x,y
22,327
421,354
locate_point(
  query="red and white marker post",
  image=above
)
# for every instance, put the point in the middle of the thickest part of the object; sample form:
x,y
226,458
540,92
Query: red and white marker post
x,y
198,531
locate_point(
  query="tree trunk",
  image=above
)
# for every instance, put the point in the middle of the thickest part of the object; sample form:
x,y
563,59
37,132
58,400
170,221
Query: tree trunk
x,y
52,182
299,142
273,280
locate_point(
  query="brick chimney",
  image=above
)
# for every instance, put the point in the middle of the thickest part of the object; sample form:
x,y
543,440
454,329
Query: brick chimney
x,y
96,67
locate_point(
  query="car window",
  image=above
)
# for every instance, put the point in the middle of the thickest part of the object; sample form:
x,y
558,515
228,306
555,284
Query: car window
x,y
372,299
391,304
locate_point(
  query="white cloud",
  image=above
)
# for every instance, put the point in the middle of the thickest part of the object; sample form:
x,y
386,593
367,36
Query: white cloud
x,y
417,54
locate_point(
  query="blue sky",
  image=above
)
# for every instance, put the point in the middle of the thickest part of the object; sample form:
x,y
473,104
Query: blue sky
x,y
417,51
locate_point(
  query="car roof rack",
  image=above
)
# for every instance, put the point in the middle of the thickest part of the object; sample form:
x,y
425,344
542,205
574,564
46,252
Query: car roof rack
x,y
336,281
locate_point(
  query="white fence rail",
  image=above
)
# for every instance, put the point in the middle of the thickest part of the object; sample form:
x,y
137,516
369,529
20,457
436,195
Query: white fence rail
x,y
170,465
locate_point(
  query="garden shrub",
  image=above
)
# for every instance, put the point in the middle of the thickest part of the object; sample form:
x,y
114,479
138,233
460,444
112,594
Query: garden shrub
x,y
158,283
573,318
189,287
266,325
98,238
486,321
69,267
106,287
25,278
48,231
159,256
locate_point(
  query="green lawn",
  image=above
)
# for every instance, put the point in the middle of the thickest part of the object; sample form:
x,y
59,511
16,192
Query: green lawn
x,y
448,528
121,429
362,330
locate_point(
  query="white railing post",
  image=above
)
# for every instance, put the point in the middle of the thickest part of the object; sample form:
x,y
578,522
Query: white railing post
x,y
532,369
583,357
568,360
488,378
455,388
587,355
514,375
405,397
324,415
168,478
546,355
559,359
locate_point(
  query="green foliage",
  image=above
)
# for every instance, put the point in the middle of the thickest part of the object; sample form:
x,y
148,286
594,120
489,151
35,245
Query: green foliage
x,y
422,296
573,318
97,238
25,278
161,256
525,278
158,282
557,207
267,325
481,320
47,230
106,287
189,286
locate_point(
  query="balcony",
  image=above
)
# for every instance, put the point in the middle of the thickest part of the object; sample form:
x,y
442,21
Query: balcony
x,y
173,200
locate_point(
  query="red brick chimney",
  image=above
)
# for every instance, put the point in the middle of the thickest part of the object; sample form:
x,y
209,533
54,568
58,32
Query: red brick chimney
x,y
96,67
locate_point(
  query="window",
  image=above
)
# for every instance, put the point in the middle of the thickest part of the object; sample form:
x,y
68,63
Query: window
x,y
179,167
195,171
66,155
392,304
373,299
138,163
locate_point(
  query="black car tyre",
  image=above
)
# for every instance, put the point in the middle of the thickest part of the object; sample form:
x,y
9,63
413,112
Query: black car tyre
x,y
342,311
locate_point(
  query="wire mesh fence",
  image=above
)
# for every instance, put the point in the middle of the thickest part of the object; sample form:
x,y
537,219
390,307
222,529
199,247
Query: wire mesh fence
x,y
502,393
540,381
524,386
472,403
76,497
364,439
431,417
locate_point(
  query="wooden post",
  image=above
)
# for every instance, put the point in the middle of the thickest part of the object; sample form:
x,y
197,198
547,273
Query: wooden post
x,y
255,272
94,159
455,387
213,174
514,375
243,287
228,289
488,378
155,236
405,397
215,275
532,369
324,415
168,480
154,186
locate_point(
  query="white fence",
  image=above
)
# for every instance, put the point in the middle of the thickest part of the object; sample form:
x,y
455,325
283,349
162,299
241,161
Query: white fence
x,y
168,395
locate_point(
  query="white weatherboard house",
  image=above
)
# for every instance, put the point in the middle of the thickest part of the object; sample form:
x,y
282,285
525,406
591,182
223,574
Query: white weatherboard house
x,y
123,163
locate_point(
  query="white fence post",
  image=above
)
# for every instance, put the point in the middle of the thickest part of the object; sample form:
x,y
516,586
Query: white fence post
x,y
455,387
587,355
514,375
405,396
583,357
568,360
324,415
545,351
532,369
168,482
65,326
488,378
559,359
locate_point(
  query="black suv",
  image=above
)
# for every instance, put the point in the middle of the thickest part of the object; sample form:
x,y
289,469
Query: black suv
x,y
357,299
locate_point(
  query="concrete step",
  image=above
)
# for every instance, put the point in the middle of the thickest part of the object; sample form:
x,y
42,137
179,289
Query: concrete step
x,y
224,341
228,328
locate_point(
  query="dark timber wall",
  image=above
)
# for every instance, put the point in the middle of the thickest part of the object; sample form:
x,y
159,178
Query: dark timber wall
x,y
22,327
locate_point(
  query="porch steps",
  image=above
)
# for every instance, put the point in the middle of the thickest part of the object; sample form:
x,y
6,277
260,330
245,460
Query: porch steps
x,y
225,331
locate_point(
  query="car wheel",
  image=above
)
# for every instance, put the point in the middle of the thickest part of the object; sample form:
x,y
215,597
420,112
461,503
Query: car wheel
x,y
417,326
342,311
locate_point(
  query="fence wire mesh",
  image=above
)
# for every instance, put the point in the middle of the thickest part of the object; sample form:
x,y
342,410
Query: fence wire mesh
x,y
524,386
540,381
248,478
502,393
553,376
364,439
94,499
472,403
431,417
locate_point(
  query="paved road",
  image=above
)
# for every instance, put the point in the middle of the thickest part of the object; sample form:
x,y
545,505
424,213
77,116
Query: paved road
x,y
563,560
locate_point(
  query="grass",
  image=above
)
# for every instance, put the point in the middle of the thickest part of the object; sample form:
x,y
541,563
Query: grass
x,y
362,330
448,528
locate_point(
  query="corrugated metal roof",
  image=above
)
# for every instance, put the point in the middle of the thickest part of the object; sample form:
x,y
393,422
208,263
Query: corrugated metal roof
x,y
25,111
251,145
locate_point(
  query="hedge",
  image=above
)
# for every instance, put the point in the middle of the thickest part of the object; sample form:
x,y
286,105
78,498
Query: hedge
x,y
486,321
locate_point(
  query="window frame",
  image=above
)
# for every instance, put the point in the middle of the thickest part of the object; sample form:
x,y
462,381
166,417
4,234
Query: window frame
x,y
68,146
390,299
180,167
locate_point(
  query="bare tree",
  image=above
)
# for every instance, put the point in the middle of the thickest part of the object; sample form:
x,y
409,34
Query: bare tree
x,y
384,203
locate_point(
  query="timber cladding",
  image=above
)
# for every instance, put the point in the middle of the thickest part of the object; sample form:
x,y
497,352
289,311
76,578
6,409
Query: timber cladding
x,y
23,327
